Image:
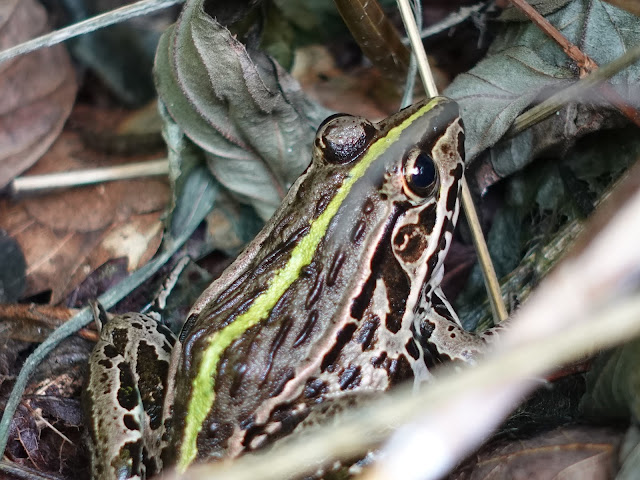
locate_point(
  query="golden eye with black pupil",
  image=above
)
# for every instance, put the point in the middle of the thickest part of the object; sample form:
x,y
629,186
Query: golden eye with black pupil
x,y
420,173
342,138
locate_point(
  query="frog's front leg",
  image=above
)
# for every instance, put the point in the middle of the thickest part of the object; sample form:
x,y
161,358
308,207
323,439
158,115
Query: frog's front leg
x,y
125,393
442,338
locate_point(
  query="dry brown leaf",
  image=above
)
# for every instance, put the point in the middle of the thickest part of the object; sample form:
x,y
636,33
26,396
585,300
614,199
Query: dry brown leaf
x,y
38,90
66,235
321,79
363,91
567,453
32,323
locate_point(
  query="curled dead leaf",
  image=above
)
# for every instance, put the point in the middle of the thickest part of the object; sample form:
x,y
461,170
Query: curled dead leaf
x,y
38,90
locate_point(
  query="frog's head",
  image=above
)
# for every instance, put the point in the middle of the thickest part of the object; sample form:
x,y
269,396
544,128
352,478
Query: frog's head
x,y
406,176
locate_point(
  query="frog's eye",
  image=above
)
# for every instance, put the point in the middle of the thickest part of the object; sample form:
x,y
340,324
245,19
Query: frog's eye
x,y
342,138
331,118
420,173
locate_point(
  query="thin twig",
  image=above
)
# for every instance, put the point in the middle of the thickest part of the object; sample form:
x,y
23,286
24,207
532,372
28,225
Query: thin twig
x,y
449,21
410,82
376,35
137,9
584,62
417,47
43,183
489,273
484,259
558,100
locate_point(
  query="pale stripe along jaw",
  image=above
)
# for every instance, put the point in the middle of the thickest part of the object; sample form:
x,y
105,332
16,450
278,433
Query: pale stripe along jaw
x,y
323,301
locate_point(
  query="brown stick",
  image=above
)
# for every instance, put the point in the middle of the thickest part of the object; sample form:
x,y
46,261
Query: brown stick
x,y
376,36
585,63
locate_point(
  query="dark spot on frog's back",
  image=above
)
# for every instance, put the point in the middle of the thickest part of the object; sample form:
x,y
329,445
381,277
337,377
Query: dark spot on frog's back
x,y
336,265
152,373
105,363
368,206
432,356
367,332
358,231
120,338
378,362
127,396
315,291
130,422
393,322
442,243
104,380
167,333
285,377
412,349
321,205
343,337
288,415
276,343
283,331
247,422
448,225
350,377
307,329
315,387
399,369
135,454
426,329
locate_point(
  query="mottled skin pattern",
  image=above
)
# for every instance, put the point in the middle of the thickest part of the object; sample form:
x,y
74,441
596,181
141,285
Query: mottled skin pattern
x,y
345,326
127,436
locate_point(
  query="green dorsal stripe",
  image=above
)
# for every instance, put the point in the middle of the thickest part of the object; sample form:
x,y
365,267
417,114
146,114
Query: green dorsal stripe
x,y
203,395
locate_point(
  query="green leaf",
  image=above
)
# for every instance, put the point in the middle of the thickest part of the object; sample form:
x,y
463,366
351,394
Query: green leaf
x,y
524,64
248,116
514,14
494,92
